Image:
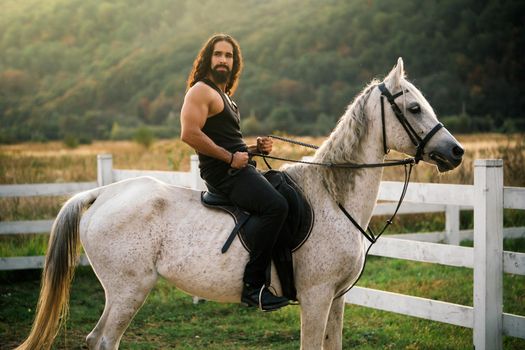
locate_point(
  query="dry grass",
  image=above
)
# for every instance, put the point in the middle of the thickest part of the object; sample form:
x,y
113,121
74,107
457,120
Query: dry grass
x,y
510,148
52,162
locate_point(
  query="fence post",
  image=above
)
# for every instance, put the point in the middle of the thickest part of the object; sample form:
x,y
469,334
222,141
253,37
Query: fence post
x,y
104,169
452,224
196,182
488,254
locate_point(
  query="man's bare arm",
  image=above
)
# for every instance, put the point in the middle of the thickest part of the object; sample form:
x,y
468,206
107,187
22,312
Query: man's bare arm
x,y
193,116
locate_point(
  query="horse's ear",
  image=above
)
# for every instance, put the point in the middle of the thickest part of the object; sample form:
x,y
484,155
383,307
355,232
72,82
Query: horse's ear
x,y
396,74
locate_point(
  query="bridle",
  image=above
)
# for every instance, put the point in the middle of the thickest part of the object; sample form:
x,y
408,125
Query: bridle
x,y
419,142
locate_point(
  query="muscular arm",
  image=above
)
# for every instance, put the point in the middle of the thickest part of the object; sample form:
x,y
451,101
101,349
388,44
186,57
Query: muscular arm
x,y
194,113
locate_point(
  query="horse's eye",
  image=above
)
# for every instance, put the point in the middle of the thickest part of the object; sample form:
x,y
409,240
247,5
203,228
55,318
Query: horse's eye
x,y
415,108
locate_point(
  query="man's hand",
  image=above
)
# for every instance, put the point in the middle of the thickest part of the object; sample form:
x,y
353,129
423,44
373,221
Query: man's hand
x,y
240,160
264,145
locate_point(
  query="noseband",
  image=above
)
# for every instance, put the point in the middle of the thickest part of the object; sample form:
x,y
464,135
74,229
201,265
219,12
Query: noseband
x,y
419,142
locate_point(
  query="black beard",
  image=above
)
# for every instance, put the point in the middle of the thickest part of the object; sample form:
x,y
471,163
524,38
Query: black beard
x,y
220,77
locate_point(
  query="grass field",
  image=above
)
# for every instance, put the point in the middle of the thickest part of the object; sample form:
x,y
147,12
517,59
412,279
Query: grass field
x,y
170,320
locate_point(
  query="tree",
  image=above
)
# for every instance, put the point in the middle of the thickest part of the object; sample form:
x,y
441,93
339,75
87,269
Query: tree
x,y
282,119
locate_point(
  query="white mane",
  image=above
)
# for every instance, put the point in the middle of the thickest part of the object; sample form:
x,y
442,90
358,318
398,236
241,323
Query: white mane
x,y
344,145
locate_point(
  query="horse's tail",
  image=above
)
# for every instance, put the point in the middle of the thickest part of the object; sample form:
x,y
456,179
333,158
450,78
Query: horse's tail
x,y
62,254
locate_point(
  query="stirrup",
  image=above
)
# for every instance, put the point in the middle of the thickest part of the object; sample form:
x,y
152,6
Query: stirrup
x,y
260,298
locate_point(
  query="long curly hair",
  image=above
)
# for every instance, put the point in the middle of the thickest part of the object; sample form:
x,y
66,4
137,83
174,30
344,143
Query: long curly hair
x,y
202,64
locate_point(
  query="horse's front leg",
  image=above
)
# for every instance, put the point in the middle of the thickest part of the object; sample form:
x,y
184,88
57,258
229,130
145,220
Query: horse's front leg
x,y
333,335
315,305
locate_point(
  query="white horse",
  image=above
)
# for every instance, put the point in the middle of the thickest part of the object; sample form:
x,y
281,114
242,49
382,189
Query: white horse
x,y
135,230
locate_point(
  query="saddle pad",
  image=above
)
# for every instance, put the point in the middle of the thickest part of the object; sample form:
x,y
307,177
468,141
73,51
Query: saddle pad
x,y
300,220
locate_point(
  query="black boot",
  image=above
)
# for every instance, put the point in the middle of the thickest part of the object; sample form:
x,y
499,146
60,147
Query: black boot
x,y
262,298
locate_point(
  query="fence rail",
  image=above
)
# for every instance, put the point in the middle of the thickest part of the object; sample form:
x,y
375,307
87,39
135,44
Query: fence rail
x,y
31,190
487,197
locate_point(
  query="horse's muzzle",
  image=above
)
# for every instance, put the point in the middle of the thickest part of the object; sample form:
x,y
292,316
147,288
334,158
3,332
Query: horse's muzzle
x,y
447,157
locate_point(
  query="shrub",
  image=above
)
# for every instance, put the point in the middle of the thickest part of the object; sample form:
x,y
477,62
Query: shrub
x,y
458,123
70,141
251,126
143,136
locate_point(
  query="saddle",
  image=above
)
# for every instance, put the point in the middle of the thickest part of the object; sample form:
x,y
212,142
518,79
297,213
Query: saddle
x,y
294,232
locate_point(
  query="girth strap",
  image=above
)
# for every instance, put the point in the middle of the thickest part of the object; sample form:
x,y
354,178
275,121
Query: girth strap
x,y
217,201
231,237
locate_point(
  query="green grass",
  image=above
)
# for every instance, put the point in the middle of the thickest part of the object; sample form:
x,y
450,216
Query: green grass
x,y
170,320
23,245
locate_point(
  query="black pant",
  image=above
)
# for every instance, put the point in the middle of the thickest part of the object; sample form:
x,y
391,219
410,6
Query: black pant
x,y
249,190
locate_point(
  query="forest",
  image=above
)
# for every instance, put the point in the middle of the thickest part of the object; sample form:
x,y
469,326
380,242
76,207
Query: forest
x,y
81,70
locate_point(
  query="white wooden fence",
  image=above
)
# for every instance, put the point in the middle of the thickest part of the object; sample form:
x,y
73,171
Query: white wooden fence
x,y
487,197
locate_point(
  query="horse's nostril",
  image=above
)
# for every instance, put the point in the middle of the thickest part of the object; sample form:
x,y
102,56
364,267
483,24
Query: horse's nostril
x,y
458,152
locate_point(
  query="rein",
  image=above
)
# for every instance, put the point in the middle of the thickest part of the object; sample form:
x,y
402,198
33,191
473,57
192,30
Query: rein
x,y
370,235
391,162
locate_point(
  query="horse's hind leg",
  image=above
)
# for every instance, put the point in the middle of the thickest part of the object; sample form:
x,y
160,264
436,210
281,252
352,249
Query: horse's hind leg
x,y
125,294
333,335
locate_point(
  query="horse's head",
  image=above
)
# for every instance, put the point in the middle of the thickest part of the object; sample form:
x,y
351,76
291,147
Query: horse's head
x,y
410,124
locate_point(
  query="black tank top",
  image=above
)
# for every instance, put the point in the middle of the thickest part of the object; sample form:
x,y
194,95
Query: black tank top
x,y
224,129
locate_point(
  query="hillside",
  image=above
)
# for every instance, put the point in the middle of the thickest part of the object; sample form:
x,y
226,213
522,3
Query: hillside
x,y
100,69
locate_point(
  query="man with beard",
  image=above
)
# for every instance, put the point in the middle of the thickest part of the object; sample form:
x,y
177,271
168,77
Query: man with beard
x,y
210,123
